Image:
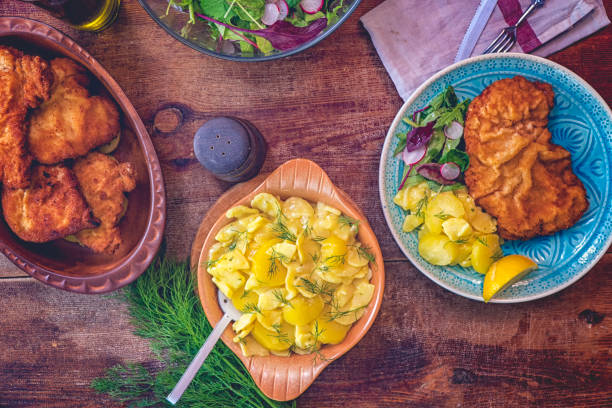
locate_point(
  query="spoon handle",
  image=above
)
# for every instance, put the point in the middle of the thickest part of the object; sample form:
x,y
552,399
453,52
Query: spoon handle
x,y
198,360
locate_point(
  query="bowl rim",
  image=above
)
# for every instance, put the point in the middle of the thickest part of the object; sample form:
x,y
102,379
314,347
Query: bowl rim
x,y
144,251
213,311
281,54
385,153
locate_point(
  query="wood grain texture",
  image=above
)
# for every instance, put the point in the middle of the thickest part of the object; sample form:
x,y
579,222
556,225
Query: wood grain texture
x,y
427,348
332,104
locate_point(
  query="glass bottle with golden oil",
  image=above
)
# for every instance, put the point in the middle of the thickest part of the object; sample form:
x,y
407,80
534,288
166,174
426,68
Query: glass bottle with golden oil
x,y
87,15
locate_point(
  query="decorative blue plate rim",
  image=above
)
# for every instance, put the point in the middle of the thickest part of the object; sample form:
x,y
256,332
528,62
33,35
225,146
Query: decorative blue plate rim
x,y
601,240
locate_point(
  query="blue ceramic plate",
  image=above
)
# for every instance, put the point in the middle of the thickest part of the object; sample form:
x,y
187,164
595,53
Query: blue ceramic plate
x,y
581,122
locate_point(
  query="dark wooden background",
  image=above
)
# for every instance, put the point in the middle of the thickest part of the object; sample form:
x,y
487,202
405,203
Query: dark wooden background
x,y
332,104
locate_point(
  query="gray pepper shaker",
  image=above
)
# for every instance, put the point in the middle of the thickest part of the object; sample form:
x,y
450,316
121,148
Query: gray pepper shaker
x,y
231,148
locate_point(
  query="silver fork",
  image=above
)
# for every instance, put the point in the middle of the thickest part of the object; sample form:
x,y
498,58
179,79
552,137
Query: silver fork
x,y
507,38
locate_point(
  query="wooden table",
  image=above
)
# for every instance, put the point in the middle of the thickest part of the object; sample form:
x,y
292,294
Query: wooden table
x,y
332,104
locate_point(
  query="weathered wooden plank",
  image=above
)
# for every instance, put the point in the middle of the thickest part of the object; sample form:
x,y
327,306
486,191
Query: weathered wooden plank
x,y
428,347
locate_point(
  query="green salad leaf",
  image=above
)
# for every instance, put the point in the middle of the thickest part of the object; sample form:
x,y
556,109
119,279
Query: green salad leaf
x,y
214,8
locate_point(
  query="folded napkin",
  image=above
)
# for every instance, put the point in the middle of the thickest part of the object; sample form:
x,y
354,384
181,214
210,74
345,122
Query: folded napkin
x,y
416,38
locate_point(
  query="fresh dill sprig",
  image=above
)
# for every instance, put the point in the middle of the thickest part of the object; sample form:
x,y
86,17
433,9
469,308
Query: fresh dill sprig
x,y
335,260
323,289
336,314
315,257
281,298
318,239
442,216
364,252
274,259
210,263
165,309
499,254
283,337
250,308
482,241
237,237
282,231
314,347
331,262
460,241
421,206
348,221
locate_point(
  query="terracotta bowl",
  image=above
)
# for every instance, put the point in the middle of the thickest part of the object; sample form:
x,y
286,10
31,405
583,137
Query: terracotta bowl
x,y
285,378
66,265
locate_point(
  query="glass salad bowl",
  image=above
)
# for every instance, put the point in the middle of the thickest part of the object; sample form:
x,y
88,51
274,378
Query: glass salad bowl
x,y
191,29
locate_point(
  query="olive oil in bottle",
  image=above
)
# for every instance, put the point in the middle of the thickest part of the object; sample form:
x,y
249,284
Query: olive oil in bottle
x,y
87,15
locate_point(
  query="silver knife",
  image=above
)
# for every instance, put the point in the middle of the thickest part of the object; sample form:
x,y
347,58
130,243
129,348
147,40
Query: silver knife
x,y
477,25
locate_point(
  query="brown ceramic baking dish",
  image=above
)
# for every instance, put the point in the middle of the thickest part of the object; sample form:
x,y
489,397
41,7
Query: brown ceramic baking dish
x,y
66,265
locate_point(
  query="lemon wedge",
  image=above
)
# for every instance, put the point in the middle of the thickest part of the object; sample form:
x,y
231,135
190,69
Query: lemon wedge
x,y
504,273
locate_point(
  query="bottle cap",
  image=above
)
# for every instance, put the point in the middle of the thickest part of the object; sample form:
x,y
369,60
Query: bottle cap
x,y
231,148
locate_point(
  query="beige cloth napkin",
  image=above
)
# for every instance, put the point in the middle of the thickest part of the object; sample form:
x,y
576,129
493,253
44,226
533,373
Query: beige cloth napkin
x,y
416,38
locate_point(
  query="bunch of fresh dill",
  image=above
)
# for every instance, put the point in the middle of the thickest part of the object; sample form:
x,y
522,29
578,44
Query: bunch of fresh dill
x,y
164,308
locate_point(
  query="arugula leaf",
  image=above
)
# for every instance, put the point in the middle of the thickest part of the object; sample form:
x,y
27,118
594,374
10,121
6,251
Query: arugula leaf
x,y
293,3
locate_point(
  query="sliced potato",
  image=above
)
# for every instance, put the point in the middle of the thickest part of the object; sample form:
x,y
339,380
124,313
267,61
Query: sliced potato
x,y
437,249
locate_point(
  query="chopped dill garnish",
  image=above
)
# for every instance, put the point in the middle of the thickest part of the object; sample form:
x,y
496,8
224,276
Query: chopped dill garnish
x,y
364,252
211,262
274,259
237,237
421,206
333,315
314,347
323,289
442,216
283,337
348,221
331,262
315,257
499,254
280,297
335,260
482,241
460,241
250,308
282,231
245,293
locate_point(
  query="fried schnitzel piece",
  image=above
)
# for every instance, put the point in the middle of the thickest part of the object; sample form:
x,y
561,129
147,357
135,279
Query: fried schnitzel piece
x,y
71,122
50,208
103,181
25,81
516,174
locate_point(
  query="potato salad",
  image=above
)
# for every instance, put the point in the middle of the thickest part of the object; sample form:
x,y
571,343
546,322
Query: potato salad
x,y
295,270
452,228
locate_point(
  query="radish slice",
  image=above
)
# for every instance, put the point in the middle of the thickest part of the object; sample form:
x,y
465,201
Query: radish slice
x,y
454,130
450,170
431,171
414,156
283,8
271,14
311,6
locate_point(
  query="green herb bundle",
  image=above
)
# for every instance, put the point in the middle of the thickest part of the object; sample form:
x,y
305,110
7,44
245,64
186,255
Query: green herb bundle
x,y
164,308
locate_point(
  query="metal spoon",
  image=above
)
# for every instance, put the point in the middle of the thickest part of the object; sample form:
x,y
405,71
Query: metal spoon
x,y
230,313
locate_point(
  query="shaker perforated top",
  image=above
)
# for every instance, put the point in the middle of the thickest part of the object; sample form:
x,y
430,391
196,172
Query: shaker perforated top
x,y
222,145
